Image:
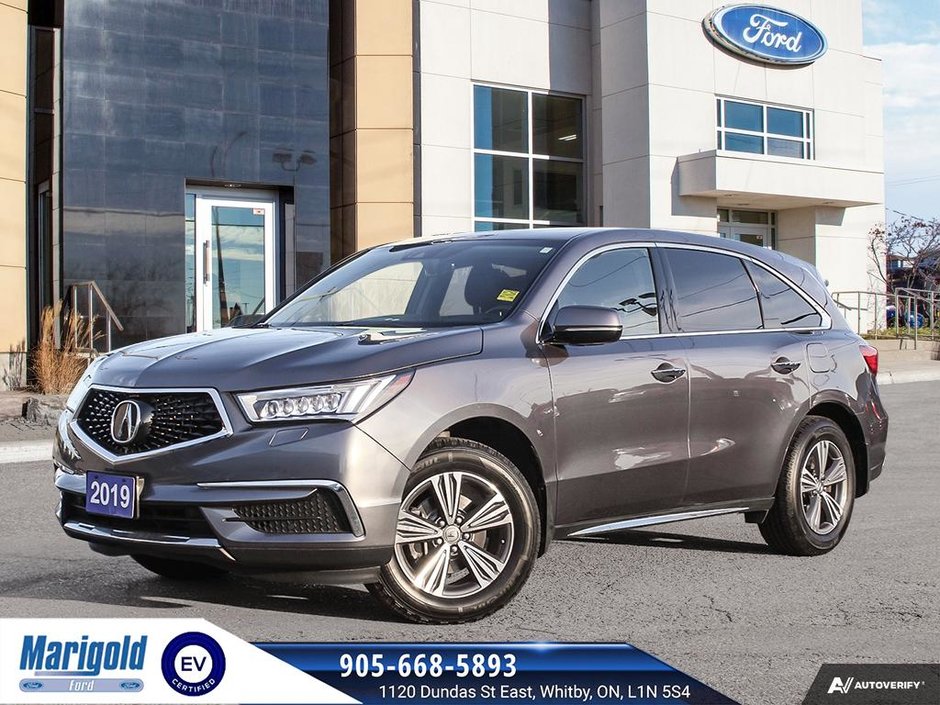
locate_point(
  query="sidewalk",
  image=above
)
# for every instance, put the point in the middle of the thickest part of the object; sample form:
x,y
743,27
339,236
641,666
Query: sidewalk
x,y
23,442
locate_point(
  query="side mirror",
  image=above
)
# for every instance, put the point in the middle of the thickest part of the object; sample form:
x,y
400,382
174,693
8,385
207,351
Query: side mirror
x,y
585,325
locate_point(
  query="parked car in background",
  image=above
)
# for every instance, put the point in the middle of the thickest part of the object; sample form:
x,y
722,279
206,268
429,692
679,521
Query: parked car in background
x,y
427,416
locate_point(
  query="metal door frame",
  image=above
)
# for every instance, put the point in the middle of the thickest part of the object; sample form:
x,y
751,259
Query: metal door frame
x,y
204,247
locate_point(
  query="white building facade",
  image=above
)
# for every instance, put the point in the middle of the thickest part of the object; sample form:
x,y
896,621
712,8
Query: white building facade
x,y
532,113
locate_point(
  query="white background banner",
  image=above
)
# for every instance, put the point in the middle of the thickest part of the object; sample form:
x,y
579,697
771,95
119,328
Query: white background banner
x,y
144,661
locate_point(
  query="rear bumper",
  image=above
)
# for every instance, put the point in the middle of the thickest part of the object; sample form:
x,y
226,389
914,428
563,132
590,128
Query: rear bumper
x,y
874,422
320,498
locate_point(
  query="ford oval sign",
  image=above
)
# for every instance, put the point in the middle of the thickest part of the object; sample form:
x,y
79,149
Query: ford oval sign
x,y
766,34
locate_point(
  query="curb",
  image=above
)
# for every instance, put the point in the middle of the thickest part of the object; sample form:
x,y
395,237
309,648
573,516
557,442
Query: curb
x,y
908,376
25,452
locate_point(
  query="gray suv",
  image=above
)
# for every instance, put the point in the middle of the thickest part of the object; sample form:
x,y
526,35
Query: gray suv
x,y
425,417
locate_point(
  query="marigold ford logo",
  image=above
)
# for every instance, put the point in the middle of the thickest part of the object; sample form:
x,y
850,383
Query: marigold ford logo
x,y
81,665
766,34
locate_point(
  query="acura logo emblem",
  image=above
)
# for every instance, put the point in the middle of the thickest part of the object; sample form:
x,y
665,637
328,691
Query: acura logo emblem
x,y
130,421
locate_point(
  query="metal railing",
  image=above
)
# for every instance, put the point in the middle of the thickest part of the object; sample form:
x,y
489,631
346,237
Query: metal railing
x,y
87,292
916,313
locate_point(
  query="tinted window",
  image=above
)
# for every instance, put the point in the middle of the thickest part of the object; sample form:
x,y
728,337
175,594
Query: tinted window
x,y
427,283
713,292
621,280
782,306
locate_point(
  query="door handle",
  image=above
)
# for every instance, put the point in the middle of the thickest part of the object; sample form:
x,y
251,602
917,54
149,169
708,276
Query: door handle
x,y
784,366
205,261
667,373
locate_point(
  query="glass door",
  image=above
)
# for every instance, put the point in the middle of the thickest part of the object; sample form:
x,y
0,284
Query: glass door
x,y
232,260
752,227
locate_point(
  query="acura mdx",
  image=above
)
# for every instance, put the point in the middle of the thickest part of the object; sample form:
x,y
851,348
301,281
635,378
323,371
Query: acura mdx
x,y
427,416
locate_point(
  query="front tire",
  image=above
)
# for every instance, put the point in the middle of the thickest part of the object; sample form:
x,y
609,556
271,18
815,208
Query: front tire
x,y
179,570
816,492
467,536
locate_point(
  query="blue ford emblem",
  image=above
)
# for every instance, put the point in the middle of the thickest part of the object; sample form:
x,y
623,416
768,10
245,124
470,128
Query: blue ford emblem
x,y
766,34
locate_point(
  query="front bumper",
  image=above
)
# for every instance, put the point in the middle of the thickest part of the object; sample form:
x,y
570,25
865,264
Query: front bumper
x,y
214,501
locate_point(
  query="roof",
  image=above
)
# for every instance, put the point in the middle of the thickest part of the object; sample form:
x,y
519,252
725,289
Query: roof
x,y
803,274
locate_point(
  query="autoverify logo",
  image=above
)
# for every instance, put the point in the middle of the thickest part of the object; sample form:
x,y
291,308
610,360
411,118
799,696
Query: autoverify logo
x,y
84,665
849,684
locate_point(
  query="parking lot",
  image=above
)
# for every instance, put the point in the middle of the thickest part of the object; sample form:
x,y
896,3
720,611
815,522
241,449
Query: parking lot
x,y
706,596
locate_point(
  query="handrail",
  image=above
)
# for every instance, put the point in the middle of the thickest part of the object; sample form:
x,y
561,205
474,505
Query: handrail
x,y
911,298
111,318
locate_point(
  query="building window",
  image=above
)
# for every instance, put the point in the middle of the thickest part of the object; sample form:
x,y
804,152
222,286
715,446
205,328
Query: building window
x,y
764,129
753,227
528,160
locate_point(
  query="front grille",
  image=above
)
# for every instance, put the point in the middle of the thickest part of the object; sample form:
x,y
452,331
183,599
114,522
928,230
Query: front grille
x,y
321,513
178,417
170,519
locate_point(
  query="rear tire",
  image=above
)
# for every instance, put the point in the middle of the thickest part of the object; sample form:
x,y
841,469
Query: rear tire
x,y
816,492
179,570
467,537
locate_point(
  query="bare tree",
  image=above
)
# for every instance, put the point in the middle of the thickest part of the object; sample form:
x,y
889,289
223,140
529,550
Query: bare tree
x,y
914,241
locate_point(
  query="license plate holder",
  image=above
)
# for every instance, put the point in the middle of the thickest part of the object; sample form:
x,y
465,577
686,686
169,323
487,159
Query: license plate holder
x,y
112,495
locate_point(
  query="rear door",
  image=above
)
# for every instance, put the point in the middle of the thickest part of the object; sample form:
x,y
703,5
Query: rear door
x,y
621,408
747,370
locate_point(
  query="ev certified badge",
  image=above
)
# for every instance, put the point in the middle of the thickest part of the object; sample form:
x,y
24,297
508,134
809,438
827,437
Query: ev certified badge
x,y
193,663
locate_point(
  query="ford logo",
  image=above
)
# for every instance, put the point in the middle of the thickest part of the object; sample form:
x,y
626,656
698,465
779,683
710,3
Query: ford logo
x,y
31,685
766,34
131,685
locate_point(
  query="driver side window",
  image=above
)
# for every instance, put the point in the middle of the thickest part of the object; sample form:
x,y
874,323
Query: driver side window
x,y
621,280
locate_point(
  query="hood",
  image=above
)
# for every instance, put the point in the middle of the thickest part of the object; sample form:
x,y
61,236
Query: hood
x,y
239,359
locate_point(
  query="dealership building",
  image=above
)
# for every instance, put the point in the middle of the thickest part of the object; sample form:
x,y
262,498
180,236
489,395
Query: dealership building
x,y
176,163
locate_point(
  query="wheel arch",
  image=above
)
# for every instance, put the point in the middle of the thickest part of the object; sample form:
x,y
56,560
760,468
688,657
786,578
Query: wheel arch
x,y
843,417
507,438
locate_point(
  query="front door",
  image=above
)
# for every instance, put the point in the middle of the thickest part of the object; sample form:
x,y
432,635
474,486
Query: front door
x,y
232,260
752,227
621,408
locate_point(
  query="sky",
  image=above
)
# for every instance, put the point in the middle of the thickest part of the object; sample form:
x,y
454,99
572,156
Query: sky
x,y
905,34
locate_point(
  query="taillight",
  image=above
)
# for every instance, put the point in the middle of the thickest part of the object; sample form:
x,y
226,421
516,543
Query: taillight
x,y
871,358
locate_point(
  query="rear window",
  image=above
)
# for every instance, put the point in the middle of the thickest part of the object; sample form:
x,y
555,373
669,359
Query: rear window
x,y
713,292
782,306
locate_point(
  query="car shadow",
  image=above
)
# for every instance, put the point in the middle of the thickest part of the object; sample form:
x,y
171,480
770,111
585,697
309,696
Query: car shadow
x,y
660,539
164,595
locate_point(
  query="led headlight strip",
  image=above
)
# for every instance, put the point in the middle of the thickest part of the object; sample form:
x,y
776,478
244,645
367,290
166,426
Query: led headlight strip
x,y
340,400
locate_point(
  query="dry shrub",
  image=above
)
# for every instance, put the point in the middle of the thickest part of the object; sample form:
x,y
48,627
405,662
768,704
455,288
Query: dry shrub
x,y
58,368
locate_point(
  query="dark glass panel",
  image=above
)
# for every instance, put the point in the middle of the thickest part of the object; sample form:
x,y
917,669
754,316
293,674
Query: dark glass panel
x,y
785,122
782,306
621,280
501,186
713,292
500,119
744,143
557,126
744,116
482,226
158,93
785,148
557,191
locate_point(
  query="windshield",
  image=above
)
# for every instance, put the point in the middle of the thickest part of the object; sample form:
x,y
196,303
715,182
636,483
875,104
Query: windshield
x,y
425,284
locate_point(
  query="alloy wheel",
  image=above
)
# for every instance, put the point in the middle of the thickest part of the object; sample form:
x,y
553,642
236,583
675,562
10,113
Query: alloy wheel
x,y
823,487
455,535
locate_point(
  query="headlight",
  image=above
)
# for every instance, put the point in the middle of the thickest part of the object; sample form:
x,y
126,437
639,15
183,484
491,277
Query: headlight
x,y
342,400
81,387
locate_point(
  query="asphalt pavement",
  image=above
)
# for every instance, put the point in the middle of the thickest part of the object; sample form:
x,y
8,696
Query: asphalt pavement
x,y
706,596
